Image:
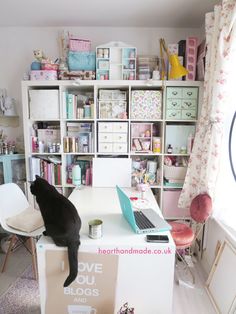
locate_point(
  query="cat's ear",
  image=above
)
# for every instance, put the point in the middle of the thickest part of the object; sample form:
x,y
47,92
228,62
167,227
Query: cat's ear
x,y
37,177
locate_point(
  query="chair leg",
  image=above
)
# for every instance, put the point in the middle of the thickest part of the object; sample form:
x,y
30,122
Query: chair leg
x,y
185,263
13,239
34,257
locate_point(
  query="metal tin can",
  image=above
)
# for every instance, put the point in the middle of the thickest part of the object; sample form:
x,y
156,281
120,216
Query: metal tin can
x,y
66,144
95,228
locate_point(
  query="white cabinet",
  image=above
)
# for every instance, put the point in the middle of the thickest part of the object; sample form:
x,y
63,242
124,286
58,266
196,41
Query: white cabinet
x,y
146,118
116,61
113,137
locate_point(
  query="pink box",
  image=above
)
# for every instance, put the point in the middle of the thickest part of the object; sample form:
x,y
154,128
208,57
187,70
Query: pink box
x,y
77,44
170,205
191,57
43,75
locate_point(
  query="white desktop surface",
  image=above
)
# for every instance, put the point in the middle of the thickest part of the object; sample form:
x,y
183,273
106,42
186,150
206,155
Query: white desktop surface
x,y
103,203
144,280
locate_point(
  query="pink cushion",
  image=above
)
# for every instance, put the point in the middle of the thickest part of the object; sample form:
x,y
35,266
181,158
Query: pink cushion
x,y
201,207
182,234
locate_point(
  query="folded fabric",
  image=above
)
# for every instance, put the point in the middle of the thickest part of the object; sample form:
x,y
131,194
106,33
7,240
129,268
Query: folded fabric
x,y
28,220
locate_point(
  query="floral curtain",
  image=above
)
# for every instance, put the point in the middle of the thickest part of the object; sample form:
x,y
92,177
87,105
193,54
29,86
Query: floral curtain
x,y
204,161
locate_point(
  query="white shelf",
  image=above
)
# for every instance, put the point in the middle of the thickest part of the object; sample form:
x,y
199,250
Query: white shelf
x,y
82,154
144,154
46,154
95,85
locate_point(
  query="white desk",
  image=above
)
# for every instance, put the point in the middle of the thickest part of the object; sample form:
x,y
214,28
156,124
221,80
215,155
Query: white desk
x,y
144,279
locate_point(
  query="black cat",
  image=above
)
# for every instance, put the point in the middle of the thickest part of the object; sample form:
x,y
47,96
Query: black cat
x,y
61,220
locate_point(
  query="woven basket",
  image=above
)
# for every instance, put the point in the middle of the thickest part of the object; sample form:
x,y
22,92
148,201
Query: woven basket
x,y
76,44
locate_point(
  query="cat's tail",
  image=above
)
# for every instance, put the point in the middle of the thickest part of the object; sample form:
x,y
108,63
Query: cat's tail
x,y
73,262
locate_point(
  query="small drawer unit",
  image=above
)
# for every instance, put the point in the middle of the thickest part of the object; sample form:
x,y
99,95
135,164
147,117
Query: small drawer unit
x,y
181,103
112,137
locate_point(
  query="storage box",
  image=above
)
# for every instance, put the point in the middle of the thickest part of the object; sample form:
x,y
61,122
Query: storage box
x,y
43,75
175,173
43,104
81,75
77,44
78,61
49,135
146,104
170,205
49,66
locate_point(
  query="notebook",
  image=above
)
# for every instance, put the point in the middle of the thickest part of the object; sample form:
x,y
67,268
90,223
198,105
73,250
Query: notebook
x,y
141,221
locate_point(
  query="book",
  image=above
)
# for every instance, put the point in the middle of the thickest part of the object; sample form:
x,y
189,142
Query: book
x,y
70,106
182,50
201,55
34,167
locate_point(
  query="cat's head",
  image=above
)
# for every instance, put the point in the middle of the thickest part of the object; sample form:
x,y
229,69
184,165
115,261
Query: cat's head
x,y
37,185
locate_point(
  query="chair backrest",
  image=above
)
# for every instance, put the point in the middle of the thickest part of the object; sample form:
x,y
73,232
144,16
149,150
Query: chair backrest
x,y
12,201
201,208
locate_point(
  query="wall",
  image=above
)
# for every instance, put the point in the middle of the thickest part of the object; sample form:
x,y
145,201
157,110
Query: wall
x,y
215,235
17,45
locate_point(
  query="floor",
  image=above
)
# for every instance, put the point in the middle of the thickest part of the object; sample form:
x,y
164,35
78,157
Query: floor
x,y
186,299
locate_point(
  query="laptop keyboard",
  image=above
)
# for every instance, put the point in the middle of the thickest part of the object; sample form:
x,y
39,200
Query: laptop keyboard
x,y
142,221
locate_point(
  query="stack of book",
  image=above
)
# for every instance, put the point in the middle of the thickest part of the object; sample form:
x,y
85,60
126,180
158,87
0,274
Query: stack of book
x,y
75,105
47,167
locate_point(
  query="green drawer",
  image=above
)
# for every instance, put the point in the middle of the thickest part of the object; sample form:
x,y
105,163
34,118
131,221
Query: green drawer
x,y
174,92
173,114
189,104
189,114
173,103
190,92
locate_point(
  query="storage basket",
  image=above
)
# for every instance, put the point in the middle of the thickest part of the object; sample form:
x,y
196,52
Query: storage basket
x,y
172,172
79,61
77,44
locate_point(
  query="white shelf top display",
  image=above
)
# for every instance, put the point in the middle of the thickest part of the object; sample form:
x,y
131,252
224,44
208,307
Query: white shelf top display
x,y
116,61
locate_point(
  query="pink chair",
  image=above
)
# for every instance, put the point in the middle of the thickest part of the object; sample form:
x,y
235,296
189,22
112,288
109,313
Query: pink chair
x,y
183,233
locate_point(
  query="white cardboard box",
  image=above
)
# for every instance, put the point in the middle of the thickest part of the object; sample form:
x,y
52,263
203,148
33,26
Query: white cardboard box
x,y
44,104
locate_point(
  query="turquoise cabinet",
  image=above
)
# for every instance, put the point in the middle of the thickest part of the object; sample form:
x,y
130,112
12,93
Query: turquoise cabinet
x,y
12,169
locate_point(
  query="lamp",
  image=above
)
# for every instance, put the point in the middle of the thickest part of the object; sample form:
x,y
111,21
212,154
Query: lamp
x,y
177,70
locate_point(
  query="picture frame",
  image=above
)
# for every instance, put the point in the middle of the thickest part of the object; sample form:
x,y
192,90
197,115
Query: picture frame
x,y
221,279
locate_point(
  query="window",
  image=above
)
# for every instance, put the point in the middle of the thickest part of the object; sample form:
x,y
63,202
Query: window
x,y
225,197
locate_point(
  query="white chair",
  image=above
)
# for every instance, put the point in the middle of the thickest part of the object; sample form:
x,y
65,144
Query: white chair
x,y
12,202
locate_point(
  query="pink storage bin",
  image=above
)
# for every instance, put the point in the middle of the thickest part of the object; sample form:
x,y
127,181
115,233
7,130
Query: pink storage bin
x,y
49,66
170,205
77,44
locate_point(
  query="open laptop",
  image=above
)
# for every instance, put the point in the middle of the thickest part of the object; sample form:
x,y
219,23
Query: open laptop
x,y
141,221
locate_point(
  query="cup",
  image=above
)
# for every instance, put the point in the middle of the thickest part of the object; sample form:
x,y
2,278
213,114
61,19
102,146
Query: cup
x,y
95,228
142,187
81,309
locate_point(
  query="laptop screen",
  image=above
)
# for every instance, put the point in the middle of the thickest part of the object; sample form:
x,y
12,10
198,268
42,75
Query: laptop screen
x,y
126,208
